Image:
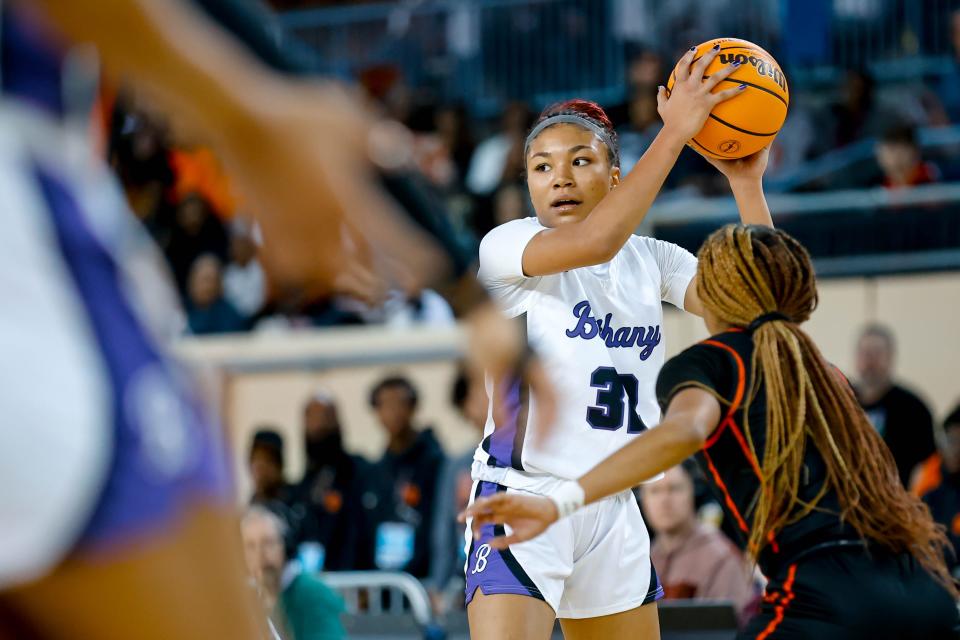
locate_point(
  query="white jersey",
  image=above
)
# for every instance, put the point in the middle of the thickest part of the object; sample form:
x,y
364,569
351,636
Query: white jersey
x,y
598,332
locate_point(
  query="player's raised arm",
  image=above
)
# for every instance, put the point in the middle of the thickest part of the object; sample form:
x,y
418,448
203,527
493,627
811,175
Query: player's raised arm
x,y
746,182
599,236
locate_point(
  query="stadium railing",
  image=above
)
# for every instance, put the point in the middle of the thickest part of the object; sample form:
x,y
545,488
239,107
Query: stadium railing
x,y
482,52
848,233
856,161
381,603
322,349
384,605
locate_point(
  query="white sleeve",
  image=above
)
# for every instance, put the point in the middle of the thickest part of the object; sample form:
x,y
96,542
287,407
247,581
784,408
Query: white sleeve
x,y
501,264
677,268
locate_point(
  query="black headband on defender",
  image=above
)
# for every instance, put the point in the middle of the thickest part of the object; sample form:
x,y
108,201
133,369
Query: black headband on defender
x,y
765,318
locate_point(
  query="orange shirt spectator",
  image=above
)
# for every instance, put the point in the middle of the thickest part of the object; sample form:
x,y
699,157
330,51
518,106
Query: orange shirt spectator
x,y
198,171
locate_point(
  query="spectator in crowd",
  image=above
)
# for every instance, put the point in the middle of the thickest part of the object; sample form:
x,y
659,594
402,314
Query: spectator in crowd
x,y
300,606
410,467
270,487
898,155
431,152
197,170
244,283
196,231
943,497
207,310
338,491
499,158
901,418
644,73
453,127
643,124
427,308
453,494
138,153
858,114
385,86
948,86
266,468
693,560
509,203
796,142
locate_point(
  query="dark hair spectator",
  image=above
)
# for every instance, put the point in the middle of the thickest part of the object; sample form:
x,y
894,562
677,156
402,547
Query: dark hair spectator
x,y
139,154
410,467
207,310
499,158
266,466
196,231
899,157
399,383
642,126
270,487
452,123
858,113
339,491
898,414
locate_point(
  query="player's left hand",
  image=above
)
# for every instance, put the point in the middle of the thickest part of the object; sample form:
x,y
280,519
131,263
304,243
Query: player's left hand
x,y
527,516
750,168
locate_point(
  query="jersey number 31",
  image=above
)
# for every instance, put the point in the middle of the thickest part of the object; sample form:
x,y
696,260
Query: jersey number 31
x,y
617,398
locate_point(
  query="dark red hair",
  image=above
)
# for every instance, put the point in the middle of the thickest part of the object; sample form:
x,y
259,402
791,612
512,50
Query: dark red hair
x,y
590,111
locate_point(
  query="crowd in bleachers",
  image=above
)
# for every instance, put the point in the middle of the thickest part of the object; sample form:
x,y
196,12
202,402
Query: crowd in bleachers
x,y
187,203
399,512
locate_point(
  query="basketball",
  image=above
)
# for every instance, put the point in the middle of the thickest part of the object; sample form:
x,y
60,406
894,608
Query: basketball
x,y
748,122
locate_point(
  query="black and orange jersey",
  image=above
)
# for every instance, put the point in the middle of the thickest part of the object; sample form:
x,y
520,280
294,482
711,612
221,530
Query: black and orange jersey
x,y
721,365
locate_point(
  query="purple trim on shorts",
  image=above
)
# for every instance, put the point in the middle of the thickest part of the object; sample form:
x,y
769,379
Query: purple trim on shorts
x,y
505,444
492,571
655,590
165,455
502,439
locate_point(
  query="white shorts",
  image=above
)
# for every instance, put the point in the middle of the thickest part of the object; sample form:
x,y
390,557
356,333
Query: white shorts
x,y
593,563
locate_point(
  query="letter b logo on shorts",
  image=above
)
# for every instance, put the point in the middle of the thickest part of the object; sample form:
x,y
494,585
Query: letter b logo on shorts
x,y
482,552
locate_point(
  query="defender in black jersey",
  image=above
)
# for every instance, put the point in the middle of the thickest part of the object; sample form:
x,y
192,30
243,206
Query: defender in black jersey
x,y
824,580
811,487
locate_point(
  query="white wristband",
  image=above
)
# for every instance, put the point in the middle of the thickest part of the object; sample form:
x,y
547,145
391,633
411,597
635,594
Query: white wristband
x,y
568,497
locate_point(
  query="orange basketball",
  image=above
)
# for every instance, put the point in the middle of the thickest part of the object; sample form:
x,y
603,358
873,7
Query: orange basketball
x,y
749,121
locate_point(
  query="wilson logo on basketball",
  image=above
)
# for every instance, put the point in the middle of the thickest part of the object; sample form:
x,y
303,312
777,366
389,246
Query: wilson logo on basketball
x,y
729,146
763,67
749,121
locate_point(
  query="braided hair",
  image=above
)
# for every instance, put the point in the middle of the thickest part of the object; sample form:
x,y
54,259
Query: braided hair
x,y
748,271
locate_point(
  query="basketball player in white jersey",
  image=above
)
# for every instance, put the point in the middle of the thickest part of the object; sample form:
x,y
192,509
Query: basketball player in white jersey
x,y
592,295
116,513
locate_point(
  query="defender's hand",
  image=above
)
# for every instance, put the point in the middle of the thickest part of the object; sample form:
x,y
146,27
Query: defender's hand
x,y
527,516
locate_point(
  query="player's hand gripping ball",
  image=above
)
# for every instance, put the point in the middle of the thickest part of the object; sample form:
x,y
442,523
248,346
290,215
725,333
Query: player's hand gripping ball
x,y
749,121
